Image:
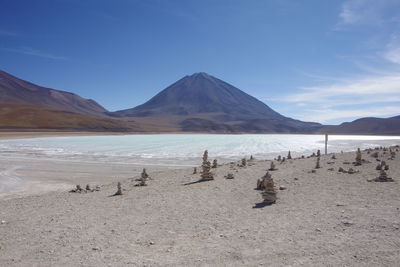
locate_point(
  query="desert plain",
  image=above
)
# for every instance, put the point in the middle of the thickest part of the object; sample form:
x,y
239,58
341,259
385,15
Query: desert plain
x,y
322,217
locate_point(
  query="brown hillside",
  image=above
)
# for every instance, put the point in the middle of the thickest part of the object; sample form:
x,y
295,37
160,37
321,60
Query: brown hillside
x,y
25,116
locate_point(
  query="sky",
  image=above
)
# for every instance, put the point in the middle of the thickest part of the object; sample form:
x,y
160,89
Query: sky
x,y
322,61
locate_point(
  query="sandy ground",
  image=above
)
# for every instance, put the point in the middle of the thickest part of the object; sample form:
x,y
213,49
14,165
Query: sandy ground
x,y
324,218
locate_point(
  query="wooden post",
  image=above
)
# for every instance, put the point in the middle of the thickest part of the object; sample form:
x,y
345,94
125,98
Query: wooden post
x,y
326,144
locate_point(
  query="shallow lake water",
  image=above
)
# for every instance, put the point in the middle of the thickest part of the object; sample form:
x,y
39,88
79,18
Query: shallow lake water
x,y
182,150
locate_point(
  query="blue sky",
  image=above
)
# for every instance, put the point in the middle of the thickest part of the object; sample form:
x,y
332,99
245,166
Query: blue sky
x,y
325,61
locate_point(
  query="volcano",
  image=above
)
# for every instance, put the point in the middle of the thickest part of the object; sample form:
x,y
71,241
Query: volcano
x,y
201,102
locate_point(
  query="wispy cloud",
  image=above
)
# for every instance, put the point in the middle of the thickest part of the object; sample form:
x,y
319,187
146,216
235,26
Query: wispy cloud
x,y
392,51
326,115
375,90
367,12
370,96
370,87
33,52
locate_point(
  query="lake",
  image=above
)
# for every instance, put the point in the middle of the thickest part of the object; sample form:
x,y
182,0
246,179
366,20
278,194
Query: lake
x,y
181,150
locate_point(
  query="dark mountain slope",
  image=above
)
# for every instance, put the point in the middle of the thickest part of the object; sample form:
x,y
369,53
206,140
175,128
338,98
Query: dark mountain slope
x,y
204,102
17,90
202,93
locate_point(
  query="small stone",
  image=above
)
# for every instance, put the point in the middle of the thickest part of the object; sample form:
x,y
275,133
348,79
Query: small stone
x,y
347,223
229,176
282,187
351,171
151,243
3,222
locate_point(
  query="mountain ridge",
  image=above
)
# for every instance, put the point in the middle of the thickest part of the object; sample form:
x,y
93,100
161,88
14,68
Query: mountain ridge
x,y
195,103
18,90
367,125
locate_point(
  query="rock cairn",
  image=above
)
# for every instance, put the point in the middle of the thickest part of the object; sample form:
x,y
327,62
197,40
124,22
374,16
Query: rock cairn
x,y
243,162
383,177
392,154
269,192
119,190
144,174
206,174
272,166
215,164
77,189
261,183
143,178
194,170
382,166
317,165
88,189
289,156
358,161
349,171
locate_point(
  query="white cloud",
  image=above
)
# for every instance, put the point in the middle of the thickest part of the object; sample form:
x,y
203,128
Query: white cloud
x,y
350,100
377,92
326,115
370,12
376,89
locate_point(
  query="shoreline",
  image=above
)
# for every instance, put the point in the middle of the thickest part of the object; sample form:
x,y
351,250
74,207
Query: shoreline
x,y
8,135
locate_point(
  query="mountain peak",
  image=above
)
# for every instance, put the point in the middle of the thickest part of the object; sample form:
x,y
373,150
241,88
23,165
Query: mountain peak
x,y
202,93
199,76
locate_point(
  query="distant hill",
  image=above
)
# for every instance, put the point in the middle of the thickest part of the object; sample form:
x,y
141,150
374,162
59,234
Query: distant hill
x,y
20,91
18,116
24,105
376,126
201,102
